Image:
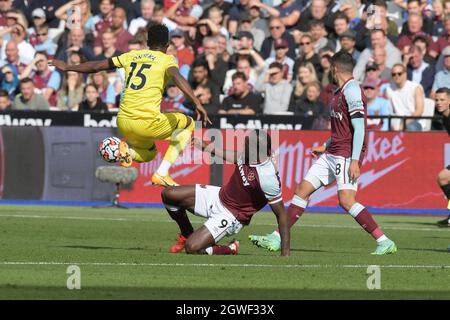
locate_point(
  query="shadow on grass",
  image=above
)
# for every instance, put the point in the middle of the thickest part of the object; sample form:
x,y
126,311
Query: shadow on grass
x,y
33,292
432,224
426,250
100,248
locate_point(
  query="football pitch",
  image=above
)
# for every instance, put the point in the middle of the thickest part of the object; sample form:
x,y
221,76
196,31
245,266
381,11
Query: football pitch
x,y
123,254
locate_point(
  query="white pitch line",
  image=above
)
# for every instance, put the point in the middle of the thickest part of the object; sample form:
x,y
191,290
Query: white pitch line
x,y
218,265
170,221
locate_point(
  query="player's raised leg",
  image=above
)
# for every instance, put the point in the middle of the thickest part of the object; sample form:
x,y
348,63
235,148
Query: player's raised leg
x,y
183,126
347,200
443,180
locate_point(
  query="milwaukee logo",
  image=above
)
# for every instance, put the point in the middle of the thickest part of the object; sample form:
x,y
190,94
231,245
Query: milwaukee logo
x,y
7,120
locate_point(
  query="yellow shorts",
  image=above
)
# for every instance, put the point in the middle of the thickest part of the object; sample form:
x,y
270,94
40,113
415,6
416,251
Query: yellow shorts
x,y
141,133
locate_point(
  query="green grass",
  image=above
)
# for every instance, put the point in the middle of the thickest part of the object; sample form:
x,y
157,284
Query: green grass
x,y
123,254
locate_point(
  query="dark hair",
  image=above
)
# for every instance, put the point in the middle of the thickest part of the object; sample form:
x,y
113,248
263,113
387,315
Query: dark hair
x,y
380,3
342,16
316,23
344,60
443,90
4,93
112,2
42,52
26,80
276,65
239,75
258,144
157,36
411,1
90,85
378,30
200,63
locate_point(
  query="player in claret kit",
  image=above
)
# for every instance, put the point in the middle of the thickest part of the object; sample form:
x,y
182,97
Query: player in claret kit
x,y
253,184
339,159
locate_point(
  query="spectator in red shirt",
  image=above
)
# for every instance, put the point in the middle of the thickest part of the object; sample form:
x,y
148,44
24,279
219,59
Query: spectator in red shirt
x,y
185,13
109,49
184,54
122,36
4,7
103,20
414,28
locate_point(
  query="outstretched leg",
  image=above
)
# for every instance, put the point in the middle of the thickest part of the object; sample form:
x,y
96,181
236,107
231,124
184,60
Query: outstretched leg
x,y
443,180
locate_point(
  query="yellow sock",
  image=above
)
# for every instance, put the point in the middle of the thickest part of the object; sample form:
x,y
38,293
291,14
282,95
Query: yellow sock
x,y
179,142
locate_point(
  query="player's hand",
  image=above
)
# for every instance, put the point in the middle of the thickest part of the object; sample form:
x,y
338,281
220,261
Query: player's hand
x,y
197,143
61,65
202,114
354,171
317,151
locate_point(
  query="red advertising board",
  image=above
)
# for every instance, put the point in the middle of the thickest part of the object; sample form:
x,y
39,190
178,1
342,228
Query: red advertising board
x,y
399,170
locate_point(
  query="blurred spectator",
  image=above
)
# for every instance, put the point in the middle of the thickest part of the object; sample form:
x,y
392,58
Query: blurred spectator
x,y
306,74
307,54
28,99
109,49
26,50
12,58
222,48
316,11
438,18
203,93
442,105
201,76
442,78
350,9
325,62
184,53
240,9
173,100
245,46
444,40
223,5
277,31
50,7
377,39
121,34
71,93
308,104
74,40
92,101
319,36
422,42
276,90
376,105
414,7
258,18
76,14
43,41
281,49
243,65
347,41
46,81
379,57
246,24
105,89
5,103
418,70
147,8
407,99
160,17
214,21
289,11
4,7
341,25
10,81
242,101
413,29
103,20
184,12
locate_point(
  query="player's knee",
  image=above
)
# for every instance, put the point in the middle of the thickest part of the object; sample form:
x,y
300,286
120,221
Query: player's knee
x,y
168,195
192,247
346,203
443,178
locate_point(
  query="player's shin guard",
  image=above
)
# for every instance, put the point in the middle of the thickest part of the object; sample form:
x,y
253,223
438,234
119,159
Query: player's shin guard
x,y
180,217
296,209
365,220
178,142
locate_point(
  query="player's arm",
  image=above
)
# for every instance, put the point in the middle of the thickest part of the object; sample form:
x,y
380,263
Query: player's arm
x,y
283,226
184,86
85,67
230,156
317,151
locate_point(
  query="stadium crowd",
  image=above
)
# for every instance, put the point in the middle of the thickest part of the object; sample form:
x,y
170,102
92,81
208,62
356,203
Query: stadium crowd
x,y
246,57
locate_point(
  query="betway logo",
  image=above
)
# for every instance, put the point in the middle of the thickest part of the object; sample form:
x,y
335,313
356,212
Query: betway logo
x,y
256,124
7,120
241,171
89,122
337,115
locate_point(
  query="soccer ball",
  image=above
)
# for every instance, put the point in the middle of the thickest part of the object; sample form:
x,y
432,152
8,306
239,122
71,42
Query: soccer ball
x,y
109,149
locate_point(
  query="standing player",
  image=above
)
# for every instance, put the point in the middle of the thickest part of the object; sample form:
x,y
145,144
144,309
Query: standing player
x,y
339,159
253,184
139,120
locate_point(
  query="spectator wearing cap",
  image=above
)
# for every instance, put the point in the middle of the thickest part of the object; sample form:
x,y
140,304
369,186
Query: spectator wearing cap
x,y
319,36
289,11
242,65
413,29
377,39
120,33
442,78
407,99
91,100
185,13
28,99
347,41
277,31
418,70
245,47
246,24
9,81
444,40
5,102
421,41
308,105
103,20
414,7
201,75
307,54
276,90
38,21
373,73
376,105
242,101
26,50
281,49
50,7
185,55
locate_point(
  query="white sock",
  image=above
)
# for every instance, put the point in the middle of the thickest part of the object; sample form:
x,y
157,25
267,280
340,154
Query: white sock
x,y
164,167
209,251
382,238
276,233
